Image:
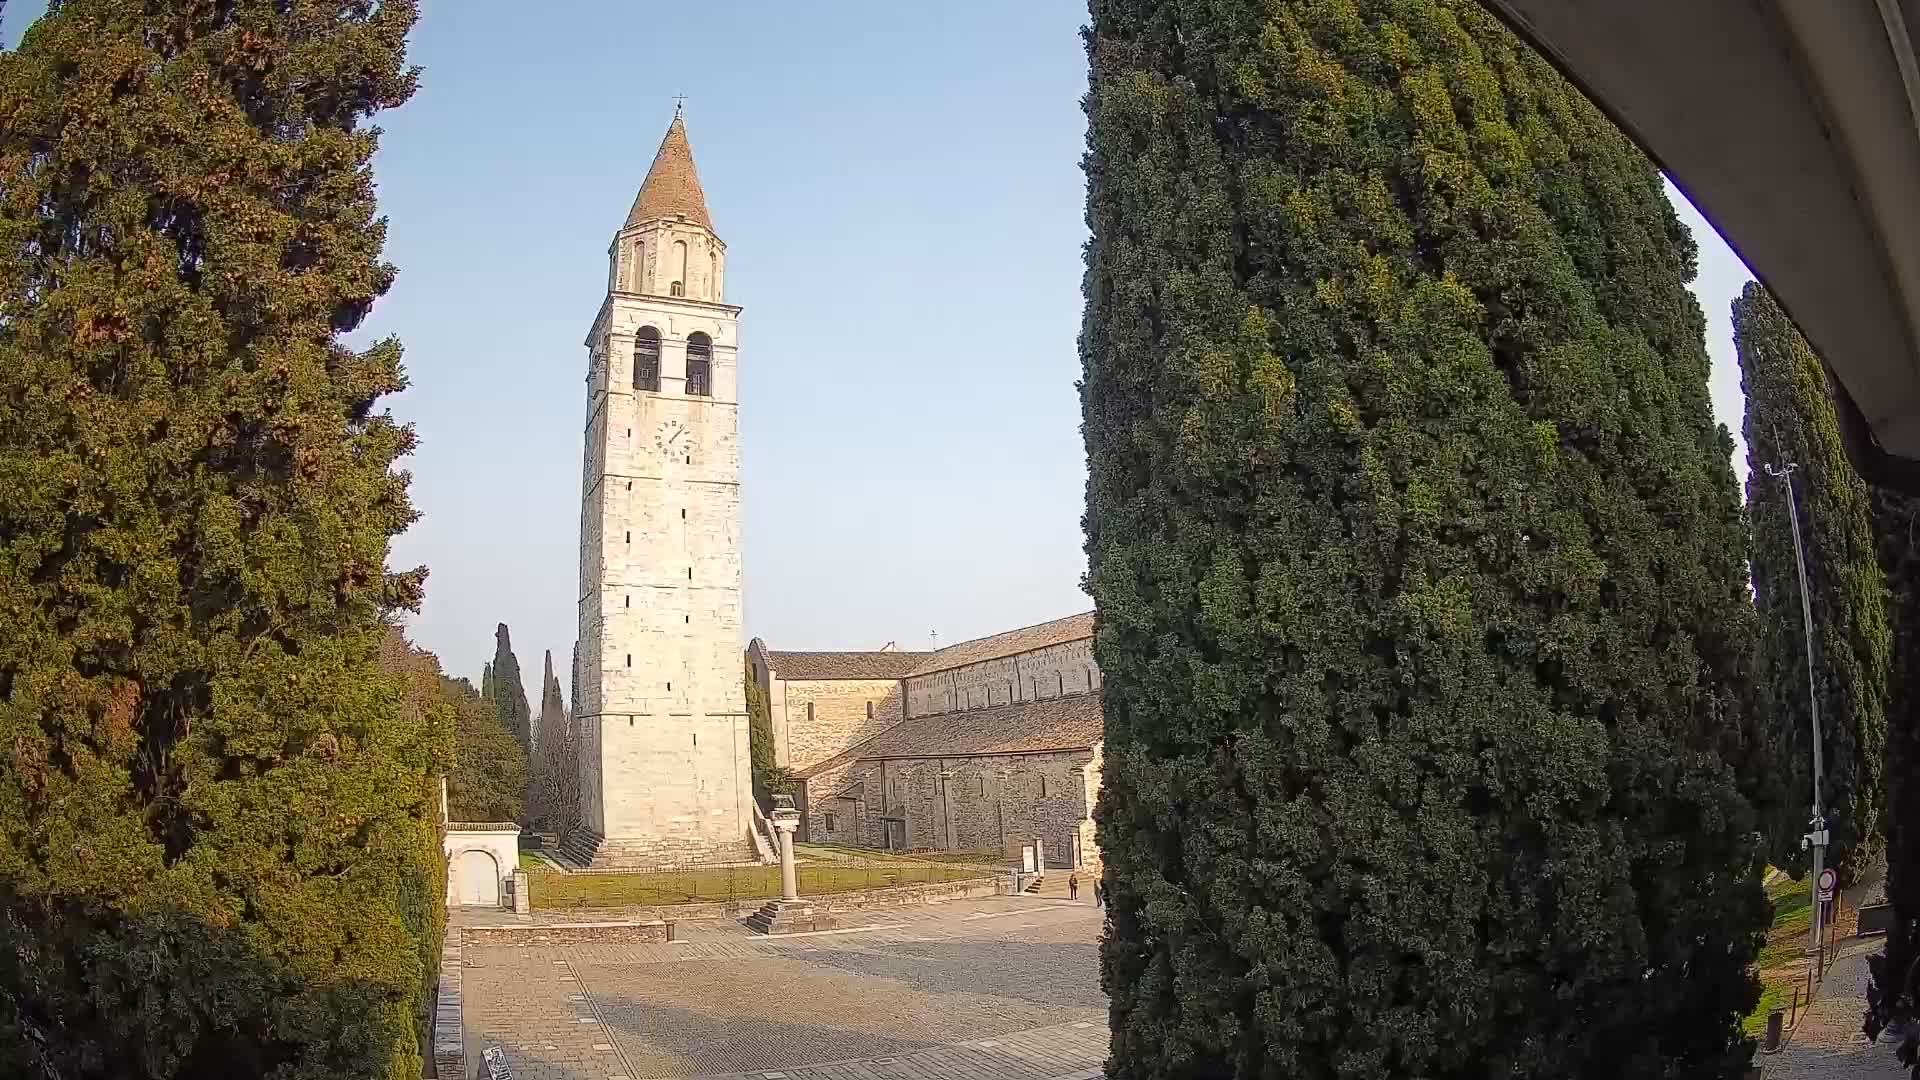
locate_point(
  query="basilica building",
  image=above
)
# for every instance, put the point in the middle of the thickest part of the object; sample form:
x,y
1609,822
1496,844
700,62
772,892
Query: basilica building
x,y
991,745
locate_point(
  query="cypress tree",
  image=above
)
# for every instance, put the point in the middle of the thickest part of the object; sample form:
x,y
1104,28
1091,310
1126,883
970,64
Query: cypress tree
x,y
1894,994
760,749
509,693
486,682
1418,560
488,781
218,853
1790,418
553,804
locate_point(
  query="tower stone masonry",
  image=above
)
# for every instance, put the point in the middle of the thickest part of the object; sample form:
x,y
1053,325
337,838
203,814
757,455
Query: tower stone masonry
x,y
661,710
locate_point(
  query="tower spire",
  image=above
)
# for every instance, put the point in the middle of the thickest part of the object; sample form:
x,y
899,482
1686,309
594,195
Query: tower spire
x,y
672,186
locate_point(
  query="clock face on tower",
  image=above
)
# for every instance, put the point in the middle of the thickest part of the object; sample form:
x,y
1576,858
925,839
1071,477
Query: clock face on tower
x,y
670,438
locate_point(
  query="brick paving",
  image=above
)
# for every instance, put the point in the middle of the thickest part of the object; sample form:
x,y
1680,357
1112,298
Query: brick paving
x,y
1005,988
1827,1043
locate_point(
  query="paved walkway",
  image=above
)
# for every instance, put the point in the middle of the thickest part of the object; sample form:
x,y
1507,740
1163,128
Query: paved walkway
x,y
1827,1043
993,989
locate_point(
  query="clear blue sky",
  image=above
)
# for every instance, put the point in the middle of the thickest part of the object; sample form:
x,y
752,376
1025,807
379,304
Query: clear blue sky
x,y
899,188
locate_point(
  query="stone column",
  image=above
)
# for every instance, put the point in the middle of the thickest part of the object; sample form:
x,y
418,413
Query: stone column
x,y
786,820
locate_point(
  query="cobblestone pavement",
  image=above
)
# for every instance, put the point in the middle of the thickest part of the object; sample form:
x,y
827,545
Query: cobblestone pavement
x,y
988,989
1827,1043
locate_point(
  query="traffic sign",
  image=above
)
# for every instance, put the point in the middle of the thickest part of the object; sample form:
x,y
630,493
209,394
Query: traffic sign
x,y
1828,879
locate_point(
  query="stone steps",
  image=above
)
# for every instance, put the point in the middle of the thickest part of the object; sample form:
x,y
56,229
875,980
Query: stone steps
x,y
790,917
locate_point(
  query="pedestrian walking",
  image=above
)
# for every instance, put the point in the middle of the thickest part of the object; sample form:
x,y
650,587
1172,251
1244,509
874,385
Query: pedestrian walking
x,y
1073,886
1099,898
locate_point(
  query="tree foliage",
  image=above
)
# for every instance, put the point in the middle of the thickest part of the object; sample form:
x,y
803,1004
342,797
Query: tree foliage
x,y
1418,560
1790,418
553,804
217,809
509,693
488,781
1894,997
767,777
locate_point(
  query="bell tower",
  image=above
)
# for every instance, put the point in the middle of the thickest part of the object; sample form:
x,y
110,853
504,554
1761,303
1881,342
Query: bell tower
x,y
662,717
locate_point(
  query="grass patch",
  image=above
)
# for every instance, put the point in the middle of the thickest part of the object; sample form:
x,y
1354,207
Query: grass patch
x,y
530,861
1782,955
1773,994
553,889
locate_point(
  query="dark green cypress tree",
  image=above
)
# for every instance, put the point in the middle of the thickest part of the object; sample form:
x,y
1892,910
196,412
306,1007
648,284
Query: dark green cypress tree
x,y
1894,996
1790,418
1418,559
509,693
218,847
486,682
760,748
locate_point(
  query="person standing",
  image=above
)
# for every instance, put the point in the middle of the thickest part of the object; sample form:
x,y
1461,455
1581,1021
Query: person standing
x,y
1073,886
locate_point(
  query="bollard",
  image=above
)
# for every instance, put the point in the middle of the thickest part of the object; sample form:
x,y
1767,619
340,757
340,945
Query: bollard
x,y
1776,1020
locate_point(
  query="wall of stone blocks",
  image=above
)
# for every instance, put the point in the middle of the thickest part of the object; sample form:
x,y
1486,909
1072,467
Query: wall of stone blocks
x,y
1066,668
817,719
991,802
644,259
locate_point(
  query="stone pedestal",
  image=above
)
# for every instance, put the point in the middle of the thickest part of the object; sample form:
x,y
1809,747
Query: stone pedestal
x,y
790,917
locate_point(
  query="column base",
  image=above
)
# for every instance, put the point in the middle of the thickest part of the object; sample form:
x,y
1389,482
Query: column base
x,y
790,917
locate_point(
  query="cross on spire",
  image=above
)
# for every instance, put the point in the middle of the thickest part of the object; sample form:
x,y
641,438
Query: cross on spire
x,y
679,102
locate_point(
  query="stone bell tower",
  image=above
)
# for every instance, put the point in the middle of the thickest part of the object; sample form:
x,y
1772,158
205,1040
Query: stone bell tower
x,y
662,715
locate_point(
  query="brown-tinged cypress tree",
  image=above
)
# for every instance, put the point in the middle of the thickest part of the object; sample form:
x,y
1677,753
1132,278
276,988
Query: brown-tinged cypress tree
x,y
218,853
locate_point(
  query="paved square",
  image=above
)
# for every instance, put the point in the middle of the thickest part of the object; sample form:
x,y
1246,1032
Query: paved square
x,y
994,988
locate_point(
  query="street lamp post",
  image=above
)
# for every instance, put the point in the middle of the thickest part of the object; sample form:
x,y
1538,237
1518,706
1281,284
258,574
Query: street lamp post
x,y
1816,838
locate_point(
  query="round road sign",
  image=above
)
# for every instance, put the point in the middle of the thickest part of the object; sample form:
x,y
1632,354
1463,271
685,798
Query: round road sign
x,y
1827,881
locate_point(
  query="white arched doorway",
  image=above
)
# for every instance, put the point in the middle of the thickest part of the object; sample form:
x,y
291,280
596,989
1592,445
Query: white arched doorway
x,y
476,878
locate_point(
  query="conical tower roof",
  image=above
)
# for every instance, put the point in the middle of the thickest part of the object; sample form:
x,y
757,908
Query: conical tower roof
x,y
672,185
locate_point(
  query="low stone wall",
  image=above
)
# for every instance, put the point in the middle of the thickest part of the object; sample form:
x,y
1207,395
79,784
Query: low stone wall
x,y
648,932
449,1032
890,896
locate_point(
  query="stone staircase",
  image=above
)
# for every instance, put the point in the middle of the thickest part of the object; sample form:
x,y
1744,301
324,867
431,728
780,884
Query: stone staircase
x,y
761,833
1033,885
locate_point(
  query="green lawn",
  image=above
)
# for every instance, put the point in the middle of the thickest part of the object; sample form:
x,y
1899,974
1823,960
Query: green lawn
x,y
530,861
1786,945
551,889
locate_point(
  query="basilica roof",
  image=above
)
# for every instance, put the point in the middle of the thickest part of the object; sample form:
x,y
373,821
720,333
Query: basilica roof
x,y
1013,642
801,666
672,187
1072,722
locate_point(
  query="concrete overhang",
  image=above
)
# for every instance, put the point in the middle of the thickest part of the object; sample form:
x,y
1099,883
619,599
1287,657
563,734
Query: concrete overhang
x,y
1794,126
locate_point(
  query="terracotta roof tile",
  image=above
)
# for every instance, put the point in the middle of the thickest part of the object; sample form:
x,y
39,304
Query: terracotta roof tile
x,y
1026,639
828,666
673,184
1028,727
